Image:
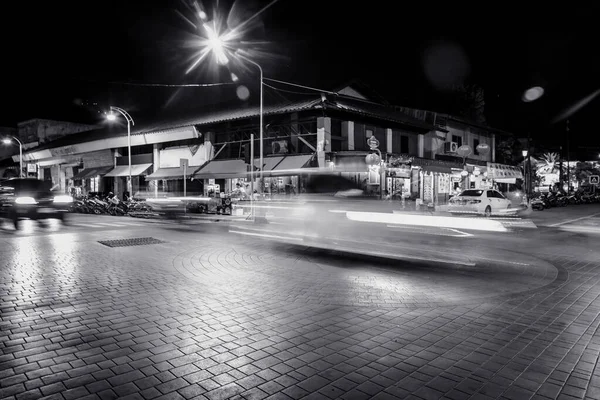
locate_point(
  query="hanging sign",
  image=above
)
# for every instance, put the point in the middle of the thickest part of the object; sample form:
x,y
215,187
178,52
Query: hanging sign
x,y
373,142
502,171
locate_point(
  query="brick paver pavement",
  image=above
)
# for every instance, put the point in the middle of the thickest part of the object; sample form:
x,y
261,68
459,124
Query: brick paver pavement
x,y
210,315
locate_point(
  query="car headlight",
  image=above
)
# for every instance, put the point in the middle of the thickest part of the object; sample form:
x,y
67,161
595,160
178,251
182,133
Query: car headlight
x,y
25,200
63,199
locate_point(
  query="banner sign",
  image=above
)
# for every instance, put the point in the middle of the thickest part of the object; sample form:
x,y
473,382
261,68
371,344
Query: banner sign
x,y
502,171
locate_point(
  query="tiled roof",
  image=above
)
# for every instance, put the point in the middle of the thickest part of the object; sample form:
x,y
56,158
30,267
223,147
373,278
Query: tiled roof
x,y
340,103
167,124
379,111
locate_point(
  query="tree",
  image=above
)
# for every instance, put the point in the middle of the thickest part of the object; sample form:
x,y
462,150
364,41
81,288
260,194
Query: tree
x,y
469,102
548,164
509,151
583,171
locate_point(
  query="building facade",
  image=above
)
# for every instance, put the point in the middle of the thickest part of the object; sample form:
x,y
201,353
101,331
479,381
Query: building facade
x,y
212,152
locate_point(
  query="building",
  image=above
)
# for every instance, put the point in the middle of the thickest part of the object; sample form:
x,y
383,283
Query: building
x,y
329,130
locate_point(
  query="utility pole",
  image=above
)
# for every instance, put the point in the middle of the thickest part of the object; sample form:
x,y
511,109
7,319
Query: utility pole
x,y
568,161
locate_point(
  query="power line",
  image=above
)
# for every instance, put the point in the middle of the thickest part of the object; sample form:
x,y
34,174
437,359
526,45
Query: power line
x,y
287,91
162,84
320,91
301,86
172,85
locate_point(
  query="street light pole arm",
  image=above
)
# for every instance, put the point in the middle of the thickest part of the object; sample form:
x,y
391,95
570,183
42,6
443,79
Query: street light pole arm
x,y
17,140
254,63
123,113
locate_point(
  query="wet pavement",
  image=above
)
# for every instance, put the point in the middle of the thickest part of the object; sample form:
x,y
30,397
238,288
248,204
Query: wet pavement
x,y
202,313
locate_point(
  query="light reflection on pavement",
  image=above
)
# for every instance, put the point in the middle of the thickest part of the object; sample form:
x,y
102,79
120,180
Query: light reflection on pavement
x,y
215,314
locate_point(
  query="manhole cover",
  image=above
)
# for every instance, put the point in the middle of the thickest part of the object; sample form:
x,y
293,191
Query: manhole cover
x,y
130,242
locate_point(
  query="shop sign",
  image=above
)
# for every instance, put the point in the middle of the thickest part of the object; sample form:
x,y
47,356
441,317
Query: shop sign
x,y
373,142
464,151
399,172
443,183
401,160
483,149
501,171
63,151
428,188
372,159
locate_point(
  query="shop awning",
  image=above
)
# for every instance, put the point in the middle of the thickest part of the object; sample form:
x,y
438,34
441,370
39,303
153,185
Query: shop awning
x,y
285,164
92,172
501,171
293,162
123,170
437,168
269,162
171,173
222,169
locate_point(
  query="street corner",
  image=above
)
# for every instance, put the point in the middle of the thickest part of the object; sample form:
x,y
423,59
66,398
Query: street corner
x,y
271,272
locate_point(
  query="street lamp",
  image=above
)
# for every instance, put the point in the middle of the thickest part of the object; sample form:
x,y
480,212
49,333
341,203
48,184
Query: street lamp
x,y
111,117
218,44
9,141
260,141
527,168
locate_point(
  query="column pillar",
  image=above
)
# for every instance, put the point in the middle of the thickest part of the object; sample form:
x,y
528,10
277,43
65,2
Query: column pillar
x,y
348,134
388,141
295,131
156,164
421,145
323,139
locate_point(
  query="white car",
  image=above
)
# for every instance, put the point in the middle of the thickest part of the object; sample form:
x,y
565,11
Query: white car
x,y
480,201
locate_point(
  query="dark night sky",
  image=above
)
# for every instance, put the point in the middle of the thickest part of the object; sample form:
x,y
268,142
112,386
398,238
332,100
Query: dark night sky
x,y
58,52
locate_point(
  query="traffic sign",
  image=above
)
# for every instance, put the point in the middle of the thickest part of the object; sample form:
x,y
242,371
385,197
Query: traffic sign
x,y
594,179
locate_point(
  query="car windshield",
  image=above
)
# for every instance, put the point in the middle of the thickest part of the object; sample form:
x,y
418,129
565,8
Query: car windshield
x,y
472,193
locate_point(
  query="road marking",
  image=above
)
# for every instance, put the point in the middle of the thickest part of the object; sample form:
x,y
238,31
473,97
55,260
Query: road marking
x,y
574,220
265,235
461,234
423,230
581,228
503,261
87,225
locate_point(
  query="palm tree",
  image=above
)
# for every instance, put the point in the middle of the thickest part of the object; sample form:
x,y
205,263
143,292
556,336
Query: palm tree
x,y
548,164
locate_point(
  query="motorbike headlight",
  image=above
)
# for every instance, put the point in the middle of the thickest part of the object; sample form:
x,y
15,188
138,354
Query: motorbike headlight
x,y
25,200
63,199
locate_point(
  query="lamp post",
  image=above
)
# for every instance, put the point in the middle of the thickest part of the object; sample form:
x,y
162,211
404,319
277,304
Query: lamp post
x,y
8,141
218,44
111,117
238,53
525,154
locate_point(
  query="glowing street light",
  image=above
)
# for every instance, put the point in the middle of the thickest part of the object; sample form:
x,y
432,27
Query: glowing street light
x,y
217,44
8,141
111,116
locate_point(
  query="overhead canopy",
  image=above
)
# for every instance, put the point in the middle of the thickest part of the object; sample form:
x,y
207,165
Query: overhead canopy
x,y
123,170
269,163
293,162
222,169
170,173
92,172
288,165
501,171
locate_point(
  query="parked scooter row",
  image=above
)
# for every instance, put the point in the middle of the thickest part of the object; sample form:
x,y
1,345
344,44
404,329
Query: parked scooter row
x,y
107,205
549,200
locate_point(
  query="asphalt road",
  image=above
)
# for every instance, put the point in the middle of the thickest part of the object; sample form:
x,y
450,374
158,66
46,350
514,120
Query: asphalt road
x,y
110,307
